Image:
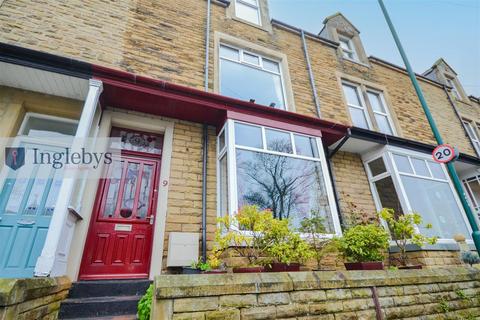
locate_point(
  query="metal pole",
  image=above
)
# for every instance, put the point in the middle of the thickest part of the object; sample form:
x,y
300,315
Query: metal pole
x,y
433,126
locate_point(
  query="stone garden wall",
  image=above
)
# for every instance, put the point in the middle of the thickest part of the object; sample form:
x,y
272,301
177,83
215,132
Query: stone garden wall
x,y
452,293
35,298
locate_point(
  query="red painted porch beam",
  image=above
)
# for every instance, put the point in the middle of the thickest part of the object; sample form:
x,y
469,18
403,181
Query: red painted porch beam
x,y
127,90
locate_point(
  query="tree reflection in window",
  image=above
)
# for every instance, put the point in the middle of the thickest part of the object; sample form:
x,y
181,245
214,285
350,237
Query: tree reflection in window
x,y
292,188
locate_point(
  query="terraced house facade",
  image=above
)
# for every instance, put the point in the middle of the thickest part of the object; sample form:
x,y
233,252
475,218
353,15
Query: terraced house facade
x,y
201,93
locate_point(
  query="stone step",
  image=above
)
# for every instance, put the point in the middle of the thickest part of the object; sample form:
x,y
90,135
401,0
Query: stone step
x,y
95,307
104,288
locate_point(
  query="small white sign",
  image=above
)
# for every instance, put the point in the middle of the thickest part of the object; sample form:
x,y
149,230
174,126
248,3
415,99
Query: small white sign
x,y
123,227
444,153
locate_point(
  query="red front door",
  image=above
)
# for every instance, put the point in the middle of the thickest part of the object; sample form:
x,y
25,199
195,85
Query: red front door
x,y
119,242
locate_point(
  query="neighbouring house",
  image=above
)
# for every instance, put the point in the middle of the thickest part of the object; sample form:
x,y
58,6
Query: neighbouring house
x,y
195,119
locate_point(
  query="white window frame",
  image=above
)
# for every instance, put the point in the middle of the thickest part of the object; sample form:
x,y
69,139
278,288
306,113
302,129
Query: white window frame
x,y
387,153
363,106
452,83
350,48
256,7
470,194
230,151
260,66
366,106
473,134
387,111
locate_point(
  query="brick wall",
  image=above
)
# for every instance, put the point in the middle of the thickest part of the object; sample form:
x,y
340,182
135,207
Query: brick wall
x,y
440,294
36,298
184,212
166,40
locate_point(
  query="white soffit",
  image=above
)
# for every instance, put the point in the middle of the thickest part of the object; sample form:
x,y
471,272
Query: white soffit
x,y
26,78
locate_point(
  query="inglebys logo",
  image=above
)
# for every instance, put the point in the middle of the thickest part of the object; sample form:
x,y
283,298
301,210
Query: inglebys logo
x,y
82,158
14,157
60,159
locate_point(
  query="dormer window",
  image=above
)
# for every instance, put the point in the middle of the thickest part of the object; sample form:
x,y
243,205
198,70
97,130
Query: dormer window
x,y
337,28
248,10
451,83
348,48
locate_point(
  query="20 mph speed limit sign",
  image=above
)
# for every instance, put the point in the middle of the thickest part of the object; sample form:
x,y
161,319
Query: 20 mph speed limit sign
x,y
444,153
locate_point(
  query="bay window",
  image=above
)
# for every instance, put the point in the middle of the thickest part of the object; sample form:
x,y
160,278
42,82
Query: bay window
x,y
412,182
274,169
251,77
472,188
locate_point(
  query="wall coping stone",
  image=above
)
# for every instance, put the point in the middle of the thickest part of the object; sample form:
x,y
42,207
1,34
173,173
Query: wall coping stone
x,y
202,285
15,291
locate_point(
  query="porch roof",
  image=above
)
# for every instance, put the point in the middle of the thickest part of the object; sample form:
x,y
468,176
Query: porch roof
x,y
139,93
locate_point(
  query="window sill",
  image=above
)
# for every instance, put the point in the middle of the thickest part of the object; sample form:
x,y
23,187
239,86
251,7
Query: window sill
x,y
444,246
258,26
363,64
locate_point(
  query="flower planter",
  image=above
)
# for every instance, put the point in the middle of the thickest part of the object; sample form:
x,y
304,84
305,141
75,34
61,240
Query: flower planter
x,y
190,270
282,267
371,265
417,266
248,270
215,272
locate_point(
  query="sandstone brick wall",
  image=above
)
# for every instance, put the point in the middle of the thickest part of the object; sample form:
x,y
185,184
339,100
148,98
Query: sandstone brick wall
x,y
36,298
166,40
184,212
353,187
452,293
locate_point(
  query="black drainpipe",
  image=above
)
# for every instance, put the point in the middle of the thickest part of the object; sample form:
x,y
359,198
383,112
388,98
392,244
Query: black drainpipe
x,y
205,142
204,192
328,156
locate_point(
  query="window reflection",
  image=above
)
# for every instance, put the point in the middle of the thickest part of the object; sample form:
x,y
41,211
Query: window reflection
x,y
292,188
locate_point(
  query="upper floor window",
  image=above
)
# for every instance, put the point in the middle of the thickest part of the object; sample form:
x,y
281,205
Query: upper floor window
x,y
370,113
472,130
251,77
452,84
274,169
348,48
248,10
411,182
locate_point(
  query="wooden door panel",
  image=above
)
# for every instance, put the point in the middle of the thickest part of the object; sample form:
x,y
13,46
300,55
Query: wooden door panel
x,y
125,206
99,255
38,241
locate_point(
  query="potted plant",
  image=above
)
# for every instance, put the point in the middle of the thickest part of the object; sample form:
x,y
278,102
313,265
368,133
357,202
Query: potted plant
x,y
214,264
243,233
363,247
402,229
313,228
284,247
194,268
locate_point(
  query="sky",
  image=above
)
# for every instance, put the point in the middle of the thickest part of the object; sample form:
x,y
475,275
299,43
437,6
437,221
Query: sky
x,y
428,30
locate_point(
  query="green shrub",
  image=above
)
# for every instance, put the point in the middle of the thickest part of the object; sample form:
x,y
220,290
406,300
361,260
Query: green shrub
x,y
145,304
314,228
402,228
364,243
